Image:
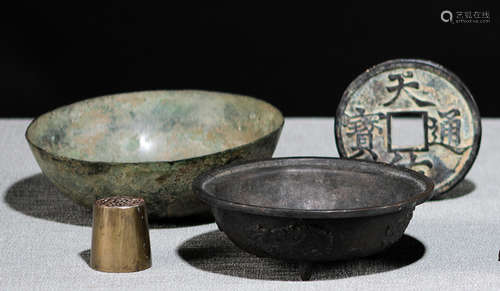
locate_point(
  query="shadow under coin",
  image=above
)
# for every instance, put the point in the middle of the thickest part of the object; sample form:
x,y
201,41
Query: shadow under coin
x,y
213,252
36,196
463,188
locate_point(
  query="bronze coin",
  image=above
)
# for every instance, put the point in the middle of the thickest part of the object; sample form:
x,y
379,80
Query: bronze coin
x,y
417,90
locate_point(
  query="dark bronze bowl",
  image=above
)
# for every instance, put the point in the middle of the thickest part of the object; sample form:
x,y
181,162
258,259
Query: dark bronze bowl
x,y
313,209
150,144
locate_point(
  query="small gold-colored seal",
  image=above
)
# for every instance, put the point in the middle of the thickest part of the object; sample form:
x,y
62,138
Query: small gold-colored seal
x,y
120,235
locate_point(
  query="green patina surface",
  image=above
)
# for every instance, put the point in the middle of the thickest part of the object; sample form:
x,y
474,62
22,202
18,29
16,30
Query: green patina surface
x,y
150,144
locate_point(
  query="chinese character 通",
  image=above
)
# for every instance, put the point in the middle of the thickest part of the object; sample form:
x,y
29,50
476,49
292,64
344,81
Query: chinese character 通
x,y
450,127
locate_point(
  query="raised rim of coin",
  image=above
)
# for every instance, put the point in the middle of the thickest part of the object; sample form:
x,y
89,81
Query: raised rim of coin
x,y
432,67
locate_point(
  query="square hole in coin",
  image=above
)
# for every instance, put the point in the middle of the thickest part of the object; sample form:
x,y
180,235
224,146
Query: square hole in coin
x,y
408,131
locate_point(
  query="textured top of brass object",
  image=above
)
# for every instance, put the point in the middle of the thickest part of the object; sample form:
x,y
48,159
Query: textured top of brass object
x,y
120,235
118,201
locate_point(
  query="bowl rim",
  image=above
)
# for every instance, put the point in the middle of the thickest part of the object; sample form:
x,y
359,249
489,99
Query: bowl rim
x,y
212,200
66,158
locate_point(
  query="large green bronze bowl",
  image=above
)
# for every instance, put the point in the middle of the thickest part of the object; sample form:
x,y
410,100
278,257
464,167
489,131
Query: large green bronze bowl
x,y
150,144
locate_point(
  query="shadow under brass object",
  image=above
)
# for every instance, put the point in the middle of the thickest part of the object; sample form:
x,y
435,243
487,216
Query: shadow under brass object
x,y
120,235
313,209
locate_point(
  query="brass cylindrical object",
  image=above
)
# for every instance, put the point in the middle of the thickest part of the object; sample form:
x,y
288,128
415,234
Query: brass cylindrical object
x,y
120,235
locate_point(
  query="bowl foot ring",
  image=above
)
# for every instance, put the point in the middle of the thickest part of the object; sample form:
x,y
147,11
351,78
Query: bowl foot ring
x,y
305,270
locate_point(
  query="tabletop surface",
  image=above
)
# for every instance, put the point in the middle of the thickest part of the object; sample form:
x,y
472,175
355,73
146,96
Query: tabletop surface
x,y
45,238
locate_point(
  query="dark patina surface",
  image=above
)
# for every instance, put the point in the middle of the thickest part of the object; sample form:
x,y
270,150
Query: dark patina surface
x,y
410,88
150,144
313,209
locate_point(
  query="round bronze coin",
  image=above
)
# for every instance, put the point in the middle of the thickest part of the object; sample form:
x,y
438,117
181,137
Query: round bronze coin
x,y
411,113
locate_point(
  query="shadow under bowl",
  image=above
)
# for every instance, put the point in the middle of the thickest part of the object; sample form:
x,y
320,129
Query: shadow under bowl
x,y
150,144
313,209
